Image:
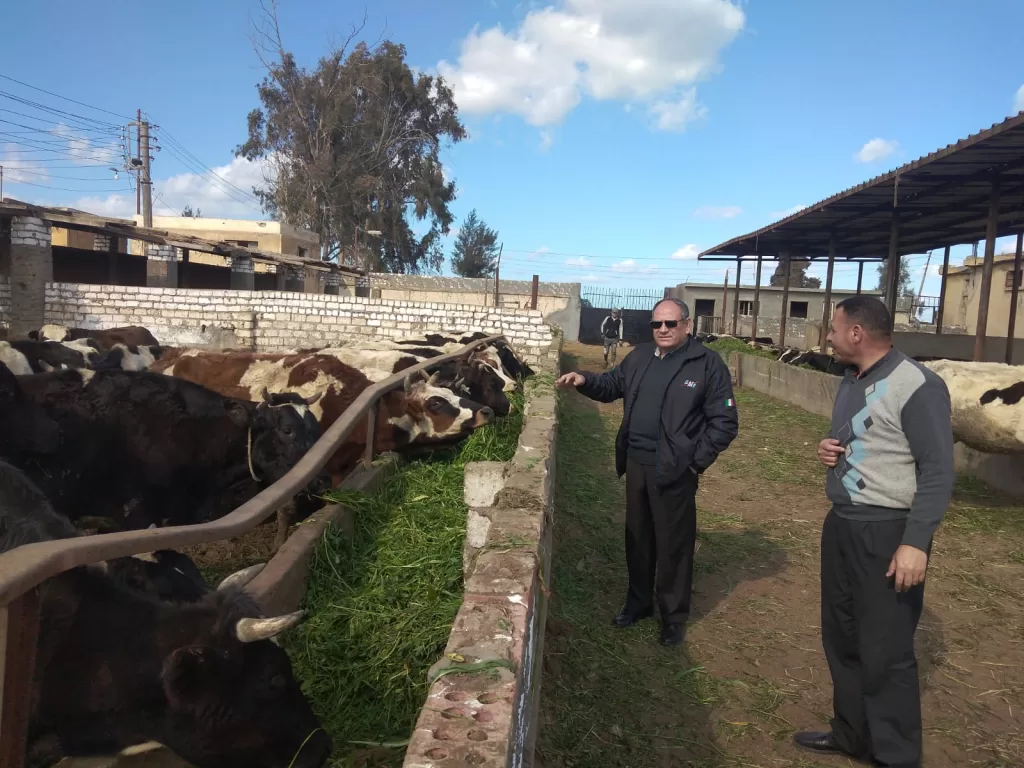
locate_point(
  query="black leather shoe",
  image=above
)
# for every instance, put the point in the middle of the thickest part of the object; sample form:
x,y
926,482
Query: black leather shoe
x,y
824,742
627,618
673,634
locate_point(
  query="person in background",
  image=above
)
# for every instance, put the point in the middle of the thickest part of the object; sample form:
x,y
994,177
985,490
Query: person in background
x,y
890,478
611,335
678,416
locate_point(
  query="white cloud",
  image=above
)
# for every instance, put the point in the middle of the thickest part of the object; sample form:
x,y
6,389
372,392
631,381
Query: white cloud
x,y
674,115
545,141
874,150
579,261
688,251
718,212
539,252
86,151
788,212
629,266
172,194
1018,101
642,50
592,278
16,169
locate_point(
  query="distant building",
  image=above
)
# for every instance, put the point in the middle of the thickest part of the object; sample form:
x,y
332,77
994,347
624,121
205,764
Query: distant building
x,y
806,308
963,291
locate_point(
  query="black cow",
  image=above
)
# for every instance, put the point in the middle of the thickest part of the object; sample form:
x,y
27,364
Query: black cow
x,y
25,357
511,364
116,668
141,448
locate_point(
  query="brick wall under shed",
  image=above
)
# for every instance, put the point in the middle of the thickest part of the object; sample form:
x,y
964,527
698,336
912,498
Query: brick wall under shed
x,y
5,305
273,320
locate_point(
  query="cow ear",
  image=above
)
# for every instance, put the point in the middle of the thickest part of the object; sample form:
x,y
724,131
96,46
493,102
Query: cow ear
x,y
187,672
10,390
237,412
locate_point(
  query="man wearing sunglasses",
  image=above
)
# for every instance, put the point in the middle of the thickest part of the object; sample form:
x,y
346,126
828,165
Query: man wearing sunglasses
x,y
679,415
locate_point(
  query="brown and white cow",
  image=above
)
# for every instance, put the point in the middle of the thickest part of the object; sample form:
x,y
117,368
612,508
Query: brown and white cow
x,y
421,413
132,335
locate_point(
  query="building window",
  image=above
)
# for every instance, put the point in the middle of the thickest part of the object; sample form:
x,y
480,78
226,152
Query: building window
x,y
1009,279
244,243
798,309
302,252
746,308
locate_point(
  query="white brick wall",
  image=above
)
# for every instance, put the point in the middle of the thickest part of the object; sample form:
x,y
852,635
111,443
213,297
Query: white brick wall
x,y
26,230
5,303
270,320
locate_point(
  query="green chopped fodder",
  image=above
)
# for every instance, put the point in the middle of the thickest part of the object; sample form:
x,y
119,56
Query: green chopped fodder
x,y
381,604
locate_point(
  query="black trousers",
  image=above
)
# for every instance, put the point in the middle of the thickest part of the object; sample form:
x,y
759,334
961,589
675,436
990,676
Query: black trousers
x,y
867,630
661,532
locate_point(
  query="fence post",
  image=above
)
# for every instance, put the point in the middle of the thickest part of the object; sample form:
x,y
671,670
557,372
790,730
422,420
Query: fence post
x,y
533,291
19,631
371,432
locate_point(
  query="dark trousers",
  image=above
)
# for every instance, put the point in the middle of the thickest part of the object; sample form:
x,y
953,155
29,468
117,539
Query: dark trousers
x,y
661,532
868,630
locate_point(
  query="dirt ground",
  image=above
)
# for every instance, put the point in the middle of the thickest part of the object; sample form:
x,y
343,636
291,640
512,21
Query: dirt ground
x,y
752,670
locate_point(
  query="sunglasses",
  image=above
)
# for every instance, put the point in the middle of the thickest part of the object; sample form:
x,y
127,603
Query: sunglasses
x,y
656,324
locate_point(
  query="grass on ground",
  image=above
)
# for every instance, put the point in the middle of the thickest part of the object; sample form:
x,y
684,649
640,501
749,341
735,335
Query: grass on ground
x,y
381,604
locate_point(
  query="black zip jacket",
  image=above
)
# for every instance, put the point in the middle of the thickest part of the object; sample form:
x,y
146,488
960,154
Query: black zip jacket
x,y
698,416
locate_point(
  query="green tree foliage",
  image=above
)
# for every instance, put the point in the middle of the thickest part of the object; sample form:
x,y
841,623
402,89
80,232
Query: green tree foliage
x,y
188,213
355,142
905,289
797,275
476,248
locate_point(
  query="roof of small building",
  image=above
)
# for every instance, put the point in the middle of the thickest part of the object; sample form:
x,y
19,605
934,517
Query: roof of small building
x,y
471,285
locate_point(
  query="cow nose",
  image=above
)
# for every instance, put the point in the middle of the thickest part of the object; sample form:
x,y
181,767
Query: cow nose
x,y
486,415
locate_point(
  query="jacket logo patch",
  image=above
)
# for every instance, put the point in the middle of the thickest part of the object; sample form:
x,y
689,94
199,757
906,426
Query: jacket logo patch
x,y
690,384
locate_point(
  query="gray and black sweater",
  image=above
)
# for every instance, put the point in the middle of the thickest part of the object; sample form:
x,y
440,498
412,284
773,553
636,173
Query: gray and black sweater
x,y
894,422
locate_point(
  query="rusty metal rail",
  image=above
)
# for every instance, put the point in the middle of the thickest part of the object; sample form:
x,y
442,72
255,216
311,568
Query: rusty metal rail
x,y
23,569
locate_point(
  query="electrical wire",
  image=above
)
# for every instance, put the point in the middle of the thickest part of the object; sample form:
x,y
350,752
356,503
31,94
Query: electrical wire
x,y
65,98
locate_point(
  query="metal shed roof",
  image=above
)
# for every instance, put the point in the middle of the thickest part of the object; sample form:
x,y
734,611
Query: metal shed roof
x,y
942,198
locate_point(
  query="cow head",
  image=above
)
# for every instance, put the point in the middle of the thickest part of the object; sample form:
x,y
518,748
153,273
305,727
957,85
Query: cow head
x,y
478,381
490,356
163,574
232,699
281,429
431,413
26,426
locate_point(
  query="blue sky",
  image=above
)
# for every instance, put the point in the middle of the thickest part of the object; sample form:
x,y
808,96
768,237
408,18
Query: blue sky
x,y
610,139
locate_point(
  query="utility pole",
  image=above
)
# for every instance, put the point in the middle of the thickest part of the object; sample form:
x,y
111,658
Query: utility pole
x,y
138,153
145,180
497,273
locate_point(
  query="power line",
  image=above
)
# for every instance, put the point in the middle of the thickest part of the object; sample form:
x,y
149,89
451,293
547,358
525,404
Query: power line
x,y
65,98
176,147
62,189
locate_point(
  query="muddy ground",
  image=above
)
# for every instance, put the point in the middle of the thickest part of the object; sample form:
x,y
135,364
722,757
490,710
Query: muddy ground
x,y
752,670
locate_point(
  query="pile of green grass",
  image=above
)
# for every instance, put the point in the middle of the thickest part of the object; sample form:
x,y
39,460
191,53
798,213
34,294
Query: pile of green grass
x,y
725,346
381,604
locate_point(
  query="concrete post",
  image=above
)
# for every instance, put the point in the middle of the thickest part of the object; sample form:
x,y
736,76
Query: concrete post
x,y
31,269
243,274
332,283
280,277
294,279
311,280
161,266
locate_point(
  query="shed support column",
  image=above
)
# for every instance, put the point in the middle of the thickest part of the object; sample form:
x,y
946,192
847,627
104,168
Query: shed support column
x,y
826,312
310,280
161,266
860,277
986,273
31,269
243,274
785,298
757,299
942,293
186,256
725,299
1011,328
736,301
892,269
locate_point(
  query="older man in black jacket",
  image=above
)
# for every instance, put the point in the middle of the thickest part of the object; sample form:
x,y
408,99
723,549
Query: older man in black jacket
x,y
679,415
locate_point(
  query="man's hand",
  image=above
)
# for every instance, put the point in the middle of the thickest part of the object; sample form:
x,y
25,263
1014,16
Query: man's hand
x,y
909,565
829,450
567,380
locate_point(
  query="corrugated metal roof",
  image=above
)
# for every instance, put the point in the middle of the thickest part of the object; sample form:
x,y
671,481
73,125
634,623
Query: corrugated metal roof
x,y
942,198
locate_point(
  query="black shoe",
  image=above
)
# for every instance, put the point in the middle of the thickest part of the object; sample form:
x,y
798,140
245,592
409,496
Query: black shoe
x,y
673,634
824,742
626,618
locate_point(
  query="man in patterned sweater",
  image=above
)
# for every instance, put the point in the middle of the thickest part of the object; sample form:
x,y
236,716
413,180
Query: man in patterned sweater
x,y
890,478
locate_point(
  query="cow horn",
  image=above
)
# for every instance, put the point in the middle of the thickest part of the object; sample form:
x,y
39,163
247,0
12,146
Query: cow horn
x,y
313,398
252,630
239,579
408,383
426,376
266,397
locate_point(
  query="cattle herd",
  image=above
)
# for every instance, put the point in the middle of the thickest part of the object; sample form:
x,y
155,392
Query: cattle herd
x,y
108,429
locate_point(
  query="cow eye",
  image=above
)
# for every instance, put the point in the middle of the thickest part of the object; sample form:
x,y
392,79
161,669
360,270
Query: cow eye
x,y
288,431
435,405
